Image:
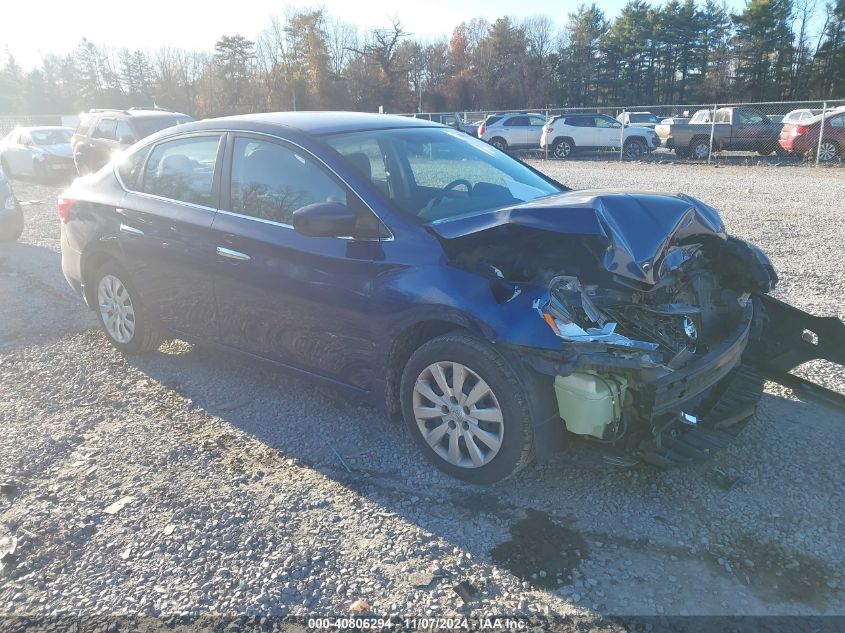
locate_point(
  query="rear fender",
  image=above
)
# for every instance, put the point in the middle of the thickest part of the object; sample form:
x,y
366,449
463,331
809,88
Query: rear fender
x,y
791,337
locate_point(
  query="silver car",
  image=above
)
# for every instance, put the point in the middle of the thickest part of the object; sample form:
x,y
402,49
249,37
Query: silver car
x,y
37,152
513,131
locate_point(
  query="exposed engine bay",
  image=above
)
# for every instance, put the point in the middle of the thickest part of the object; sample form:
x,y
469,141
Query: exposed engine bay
x,y
666,331
620,337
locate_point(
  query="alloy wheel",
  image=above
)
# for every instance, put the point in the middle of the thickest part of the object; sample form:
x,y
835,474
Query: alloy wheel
x,y
827,151
562,149
458,414
701,151
498,144
116,309
634,149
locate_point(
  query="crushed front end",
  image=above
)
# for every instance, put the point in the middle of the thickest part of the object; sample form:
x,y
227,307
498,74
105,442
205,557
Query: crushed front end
x,y
664,326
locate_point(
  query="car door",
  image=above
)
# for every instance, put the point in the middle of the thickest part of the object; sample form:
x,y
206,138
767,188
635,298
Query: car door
x,y
608,132
165,229
515,131
751,130
298,300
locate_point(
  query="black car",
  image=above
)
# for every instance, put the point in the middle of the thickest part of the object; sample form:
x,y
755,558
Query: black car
x,y
11,215
103,133
500,313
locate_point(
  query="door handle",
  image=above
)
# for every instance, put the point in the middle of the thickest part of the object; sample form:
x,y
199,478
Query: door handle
x,y
130,230
230,254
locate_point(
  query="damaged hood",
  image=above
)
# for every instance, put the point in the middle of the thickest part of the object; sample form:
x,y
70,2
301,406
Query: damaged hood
x,y
647,234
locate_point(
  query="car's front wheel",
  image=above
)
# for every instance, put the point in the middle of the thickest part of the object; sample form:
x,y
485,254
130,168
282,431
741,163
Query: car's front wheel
x,y
634,148
467,409
121,313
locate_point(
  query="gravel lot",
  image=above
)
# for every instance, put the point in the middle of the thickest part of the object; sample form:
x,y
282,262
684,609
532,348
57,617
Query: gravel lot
x,y
189,481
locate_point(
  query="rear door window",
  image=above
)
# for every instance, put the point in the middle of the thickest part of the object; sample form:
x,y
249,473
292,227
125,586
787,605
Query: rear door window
x,y
183,170
838,121
517,121
105,129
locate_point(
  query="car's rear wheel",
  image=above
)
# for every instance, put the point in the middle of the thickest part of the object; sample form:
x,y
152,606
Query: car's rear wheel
x,y
499,143
121,313
467,409
11,229
562,148
634,148
700,149
828,150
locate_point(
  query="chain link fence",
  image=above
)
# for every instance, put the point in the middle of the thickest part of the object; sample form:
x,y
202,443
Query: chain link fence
x,y
9,122
810,132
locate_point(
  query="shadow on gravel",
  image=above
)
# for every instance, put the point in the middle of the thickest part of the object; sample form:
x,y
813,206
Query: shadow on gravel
x,y
38,306
359,448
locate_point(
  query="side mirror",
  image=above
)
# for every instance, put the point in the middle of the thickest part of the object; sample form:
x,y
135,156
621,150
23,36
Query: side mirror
x,y
325,219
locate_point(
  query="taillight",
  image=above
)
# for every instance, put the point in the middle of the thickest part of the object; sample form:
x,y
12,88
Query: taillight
x,y
63,206
800,129
482,130
550,129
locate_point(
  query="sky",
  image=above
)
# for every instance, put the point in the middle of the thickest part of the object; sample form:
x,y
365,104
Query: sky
x,y
33,28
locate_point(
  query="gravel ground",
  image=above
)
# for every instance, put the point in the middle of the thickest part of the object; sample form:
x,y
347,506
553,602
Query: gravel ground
x,y
189,482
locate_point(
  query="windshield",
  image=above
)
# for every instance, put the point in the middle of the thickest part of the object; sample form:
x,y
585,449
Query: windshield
x,y
50,137
434,173
643,118
151,125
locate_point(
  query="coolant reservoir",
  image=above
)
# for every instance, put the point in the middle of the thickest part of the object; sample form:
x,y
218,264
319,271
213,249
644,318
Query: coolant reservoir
x,y
588,403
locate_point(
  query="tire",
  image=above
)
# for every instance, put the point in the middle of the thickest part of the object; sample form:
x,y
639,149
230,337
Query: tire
x,y
11,230
562,148
508,443
112,286
499,143
699,149
827,151
781,152
634,148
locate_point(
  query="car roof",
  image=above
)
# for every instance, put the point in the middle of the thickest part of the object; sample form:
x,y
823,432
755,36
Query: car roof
x,y
316,123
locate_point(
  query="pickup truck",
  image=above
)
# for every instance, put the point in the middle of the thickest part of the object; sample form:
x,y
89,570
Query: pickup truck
x,y
736,128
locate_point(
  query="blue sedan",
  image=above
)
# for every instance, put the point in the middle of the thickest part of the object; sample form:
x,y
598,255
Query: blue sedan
x,y
500,314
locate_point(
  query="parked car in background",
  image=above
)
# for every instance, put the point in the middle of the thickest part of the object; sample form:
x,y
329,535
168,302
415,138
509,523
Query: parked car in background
x,y
802,114
104,133
638,119
38,152
513,131
735,128
802,138
503,315
11,214
566,133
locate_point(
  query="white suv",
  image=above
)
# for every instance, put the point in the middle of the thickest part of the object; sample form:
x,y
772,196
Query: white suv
x,y
512,131
565,133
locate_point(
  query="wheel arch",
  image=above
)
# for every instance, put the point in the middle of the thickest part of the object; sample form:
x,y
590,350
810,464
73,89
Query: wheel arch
x,y
91,262
404,344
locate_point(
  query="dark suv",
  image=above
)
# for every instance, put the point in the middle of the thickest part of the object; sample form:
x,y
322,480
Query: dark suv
x,y
103,132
